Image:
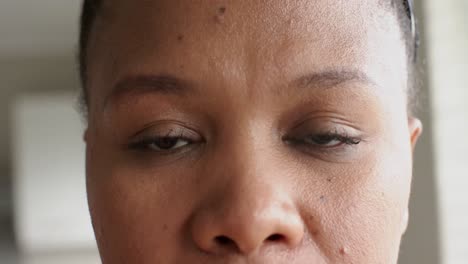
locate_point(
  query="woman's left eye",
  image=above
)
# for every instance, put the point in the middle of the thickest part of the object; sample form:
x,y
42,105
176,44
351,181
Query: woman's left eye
x,y
324,141
330,140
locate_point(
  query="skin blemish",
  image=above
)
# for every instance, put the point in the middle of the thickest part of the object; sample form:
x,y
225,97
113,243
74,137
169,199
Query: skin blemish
x,y
315,233
222,10
219,17
329,179
343,251
180,37
323,199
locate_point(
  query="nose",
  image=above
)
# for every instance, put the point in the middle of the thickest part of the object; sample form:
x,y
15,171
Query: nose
x,y
250,212
246,226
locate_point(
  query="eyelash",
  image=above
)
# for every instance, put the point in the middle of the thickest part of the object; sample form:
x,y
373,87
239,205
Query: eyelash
x,y
179,142
343,140
145,144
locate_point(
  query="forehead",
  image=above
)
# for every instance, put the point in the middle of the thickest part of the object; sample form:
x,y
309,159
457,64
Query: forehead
x,y
236,39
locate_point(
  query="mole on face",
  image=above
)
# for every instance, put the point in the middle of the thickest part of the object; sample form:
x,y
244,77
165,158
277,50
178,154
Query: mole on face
x,y
220,14
222,10
180,37
315,233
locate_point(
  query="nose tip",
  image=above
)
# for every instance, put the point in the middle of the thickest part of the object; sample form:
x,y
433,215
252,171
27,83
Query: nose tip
x,y
246,234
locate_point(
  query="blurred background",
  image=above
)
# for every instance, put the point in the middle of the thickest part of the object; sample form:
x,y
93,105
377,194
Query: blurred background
x,y
43,212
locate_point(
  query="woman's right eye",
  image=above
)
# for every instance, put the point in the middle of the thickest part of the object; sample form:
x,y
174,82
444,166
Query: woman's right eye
x,y
166,143
165,139
163,144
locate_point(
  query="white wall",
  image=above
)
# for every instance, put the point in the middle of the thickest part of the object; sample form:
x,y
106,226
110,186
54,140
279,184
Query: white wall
x,y
51,213
421,242
25,75
37,50
448,53
32,27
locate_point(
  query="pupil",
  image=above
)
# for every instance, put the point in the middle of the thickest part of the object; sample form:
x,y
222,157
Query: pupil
x,y
167,142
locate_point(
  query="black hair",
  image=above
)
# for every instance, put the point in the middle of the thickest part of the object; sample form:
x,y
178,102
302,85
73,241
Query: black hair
x,y
89,12
403,9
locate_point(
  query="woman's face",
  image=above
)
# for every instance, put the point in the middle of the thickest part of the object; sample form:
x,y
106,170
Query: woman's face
x,y
248,132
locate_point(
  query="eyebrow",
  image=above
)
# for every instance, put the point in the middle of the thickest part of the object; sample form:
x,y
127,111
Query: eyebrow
x,y
171,85
333,78
144,84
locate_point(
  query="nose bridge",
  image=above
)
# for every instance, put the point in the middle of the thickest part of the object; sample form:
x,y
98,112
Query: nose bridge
x,y
253,177
254,184
253,207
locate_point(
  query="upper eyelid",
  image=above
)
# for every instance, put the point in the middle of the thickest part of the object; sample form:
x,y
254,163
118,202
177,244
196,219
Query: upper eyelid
x,y
175,129
334,128
145,142
167,123
344,145
148,134
324,121
149,138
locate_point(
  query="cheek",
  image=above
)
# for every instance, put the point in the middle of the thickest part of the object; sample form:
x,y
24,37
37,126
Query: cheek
x,y
358,215
136,213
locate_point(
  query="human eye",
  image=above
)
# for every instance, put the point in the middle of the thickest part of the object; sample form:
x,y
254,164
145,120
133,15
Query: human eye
x,y
166,139
163,143
329,139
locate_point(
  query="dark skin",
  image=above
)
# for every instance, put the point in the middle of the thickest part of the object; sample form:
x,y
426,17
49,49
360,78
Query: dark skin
x,y
248,132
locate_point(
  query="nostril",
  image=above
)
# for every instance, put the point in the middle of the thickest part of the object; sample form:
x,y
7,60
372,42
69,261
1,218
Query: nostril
x,y
224,241
275,238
